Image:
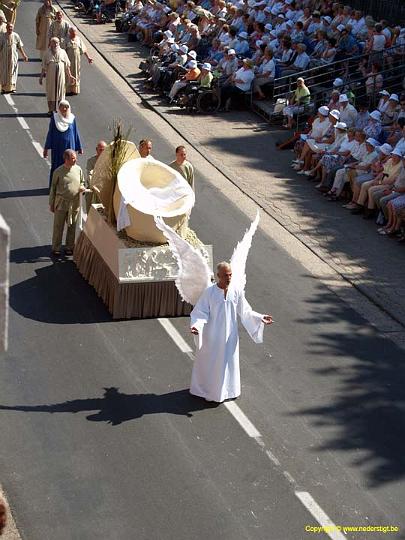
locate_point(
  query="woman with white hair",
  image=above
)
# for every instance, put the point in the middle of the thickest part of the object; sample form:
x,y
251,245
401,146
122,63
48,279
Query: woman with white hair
x,y
63,134
75,48
56,69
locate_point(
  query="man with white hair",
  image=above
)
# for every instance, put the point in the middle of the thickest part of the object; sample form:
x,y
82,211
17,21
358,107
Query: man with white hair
x,y
59,28
216,374
56,69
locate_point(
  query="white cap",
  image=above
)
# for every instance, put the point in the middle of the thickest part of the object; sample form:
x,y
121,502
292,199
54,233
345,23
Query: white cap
x,y
192,64
231,52
259,42
335,113
268,26
385,149
174,47
384,93
375,115
338,82
394,97
290,23
170,40
324,111
280,16
341,27
243,35
327,19
341,125
372,142
343,98
184,49
168,33
193,54
167,9
207,66
397,152
267,8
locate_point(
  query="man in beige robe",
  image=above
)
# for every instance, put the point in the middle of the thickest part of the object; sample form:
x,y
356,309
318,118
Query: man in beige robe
x,y
45,15
184,167
56,69
75,47
64,201
59,28
10,45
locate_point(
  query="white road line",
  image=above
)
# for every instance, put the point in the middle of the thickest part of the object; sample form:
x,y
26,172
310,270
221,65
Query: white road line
x,y
243,420
250,429
22,122
25,126
176,337
313,507
9,100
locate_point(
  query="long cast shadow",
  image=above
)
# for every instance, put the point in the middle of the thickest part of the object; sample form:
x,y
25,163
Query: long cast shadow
x,y
39,192
24,115
115,407
57,293
367,407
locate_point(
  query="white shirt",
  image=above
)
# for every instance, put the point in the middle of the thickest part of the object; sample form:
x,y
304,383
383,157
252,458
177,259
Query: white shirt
x,y
348,115
301,61
379,42
245,75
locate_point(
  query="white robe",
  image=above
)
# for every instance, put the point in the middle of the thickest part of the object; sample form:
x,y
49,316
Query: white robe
x,y
216,374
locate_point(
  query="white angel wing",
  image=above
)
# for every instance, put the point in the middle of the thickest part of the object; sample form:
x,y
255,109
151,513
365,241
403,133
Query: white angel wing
x,y
194,273
239,257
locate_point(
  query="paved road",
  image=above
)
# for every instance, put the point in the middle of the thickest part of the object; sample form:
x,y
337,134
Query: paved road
x,y
99,436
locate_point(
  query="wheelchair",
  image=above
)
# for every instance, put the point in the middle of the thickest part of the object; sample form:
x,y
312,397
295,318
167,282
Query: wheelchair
x,y
201,100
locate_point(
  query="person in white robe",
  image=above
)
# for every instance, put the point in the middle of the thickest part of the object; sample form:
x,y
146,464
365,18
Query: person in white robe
x,y
45,15
60,29
75,48
216,373
10,46
56,69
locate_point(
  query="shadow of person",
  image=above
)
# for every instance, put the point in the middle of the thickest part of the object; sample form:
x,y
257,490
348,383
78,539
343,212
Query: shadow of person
x,y
57,293
115,407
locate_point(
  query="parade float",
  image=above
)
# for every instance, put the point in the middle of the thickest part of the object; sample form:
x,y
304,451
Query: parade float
x,y
120,251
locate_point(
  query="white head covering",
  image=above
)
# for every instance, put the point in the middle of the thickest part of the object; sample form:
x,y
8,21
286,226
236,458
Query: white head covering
x,y
62,124
207,66
376,115
343,98
324,111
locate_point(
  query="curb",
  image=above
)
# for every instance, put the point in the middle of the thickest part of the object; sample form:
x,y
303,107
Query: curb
x,y
200,150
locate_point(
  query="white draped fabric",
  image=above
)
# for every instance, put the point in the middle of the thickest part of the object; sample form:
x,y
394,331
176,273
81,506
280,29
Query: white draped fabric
x,y
216,375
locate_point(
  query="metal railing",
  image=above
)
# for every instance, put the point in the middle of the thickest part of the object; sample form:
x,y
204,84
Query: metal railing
x,y
345,69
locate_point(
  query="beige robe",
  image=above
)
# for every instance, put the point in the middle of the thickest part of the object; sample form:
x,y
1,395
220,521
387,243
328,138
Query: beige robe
x,y
9,45
75,48
55,66
59,30
9,9
43,21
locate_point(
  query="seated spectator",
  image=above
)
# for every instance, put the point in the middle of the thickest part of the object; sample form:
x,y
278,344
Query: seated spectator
x,y
298,34
300,98
363,116
192,74
239,83
373,127
374,81
390,113
265,73
319,128
334,100
242,45
347,45
348,113
300,63
360,169
386,176
383,100
395,132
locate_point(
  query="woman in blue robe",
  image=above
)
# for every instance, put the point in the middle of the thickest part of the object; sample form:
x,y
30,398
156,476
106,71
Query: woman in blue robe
x,y
63,134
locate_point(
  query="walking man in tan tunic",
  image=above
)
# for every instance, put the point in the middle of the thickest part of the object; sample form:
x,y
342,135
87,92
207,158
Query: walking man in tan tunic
x,y
64,201
60,29
181,165
56,69
10,45
46,14
75,47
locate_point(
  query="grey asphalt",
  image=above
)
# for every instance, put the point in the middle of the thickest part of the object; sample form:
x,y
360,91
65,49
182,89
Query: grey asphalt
x,y
99,436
